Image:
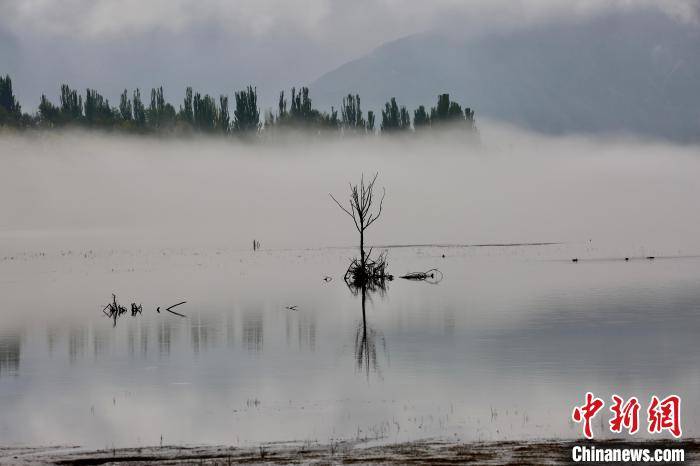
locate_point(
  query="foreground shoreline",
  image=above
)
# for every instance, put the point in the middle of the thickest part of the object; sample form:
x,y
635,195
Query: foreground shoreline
x,y
425,451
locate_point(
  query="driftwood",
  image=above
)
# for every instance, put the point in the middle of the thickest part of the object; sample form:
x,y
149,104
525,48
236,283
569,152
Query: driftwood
x,y
115,309
136,309
431,276
176,313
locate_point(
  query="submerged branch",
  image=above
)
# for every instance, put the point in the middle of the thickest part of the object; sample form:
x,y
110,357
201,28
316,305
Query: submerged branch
x,y
373,275
114,310
173,312
433,276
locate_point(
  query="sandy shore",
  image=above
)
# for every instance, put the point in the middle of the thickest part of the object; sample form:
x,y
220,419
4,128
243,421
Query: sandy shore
x,y
433,452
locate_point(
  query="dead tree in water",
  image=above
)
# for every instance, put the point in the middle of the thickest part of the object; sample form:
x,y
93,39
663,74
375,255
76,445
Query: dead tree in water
x,y
364,212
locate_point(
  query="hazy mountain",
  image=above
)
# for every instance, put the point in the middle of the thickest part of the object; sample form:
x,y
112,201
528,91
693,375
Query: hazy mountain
x,y
635,72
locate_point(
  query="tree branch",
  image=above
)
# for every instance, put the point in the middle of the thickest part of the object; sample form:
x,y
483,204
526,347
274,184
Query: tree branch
x,y
351,214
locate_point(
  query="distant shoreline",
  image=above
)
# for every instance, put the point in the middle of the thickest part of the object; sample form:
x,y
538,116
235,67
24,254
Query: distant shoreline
x,y
424,451
204,114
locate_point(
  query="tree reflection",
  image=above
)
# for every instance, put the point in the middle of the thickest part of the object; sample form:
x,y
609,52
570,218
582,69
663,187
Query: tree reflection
x,y
203,332
253,332
366,337
77,339
10,349
165,337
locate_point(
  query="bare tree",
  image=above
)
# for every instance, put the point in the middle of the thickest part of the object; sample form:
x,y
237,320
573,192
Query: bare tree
x,y
362,211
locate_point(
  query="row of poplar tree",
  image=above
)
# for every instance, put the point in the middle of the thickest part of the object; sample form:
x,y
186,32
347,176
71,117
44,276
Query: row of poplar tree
x,y
203,113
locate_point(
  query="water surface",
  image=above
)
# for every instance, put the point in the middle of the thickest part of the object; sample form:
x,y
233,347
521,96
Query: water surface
x,y
502,348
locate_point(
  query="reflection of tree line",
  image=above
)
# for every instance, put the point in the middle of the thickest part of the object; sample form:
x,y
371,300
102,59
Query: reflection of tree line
x,y
77,339
204,332
304,325
253,326
142,338
10,347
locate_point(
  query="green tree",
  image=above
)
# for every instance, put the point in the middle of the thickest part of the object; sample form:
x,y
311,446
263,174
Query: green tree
x,y
395,118
139,111
351,115
369,127
71,105
439,112
446,111
205,113
301,110
125,110
224,119
329,121
246,117
405,119
302,115
187,111
10,109
281,107
450,112
420,118
160,114
49,114
98,113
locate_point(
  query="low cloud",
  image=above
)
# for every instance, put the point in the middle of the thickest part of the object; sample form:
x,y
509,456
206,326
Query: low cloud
x,y
354,24
219,45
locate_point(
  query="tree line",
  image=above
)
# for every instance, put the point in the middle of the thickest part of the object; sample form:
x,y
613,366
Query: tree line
x,y
204,114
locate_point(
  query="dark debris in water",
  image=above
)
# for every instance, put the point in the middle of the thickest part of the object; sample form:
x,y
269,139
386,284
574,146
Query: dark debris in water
x,y
114,310
136,309
175,305
431,276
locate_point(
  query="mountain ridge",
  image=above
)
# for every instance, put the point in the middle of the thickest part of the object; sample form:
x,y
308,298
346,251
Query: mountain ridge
x,y
633,73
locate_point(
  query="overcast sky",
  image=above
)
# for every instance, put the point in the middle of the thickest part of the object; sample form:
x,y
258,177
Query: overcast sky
x,y
220,45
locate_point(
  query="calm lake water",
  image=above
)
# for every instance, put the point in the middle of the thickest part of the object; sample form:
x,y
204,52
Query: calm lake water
x,y
502,348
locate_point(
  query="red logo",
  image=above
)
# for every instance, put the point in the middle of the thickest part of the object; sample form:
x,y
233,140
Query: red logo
x,y
665,415
662,415
587,412
625,415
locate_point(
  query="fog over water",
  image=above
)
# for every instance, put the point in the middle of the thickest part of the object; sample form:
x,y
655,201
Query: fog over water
x,y
517,187
502,348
